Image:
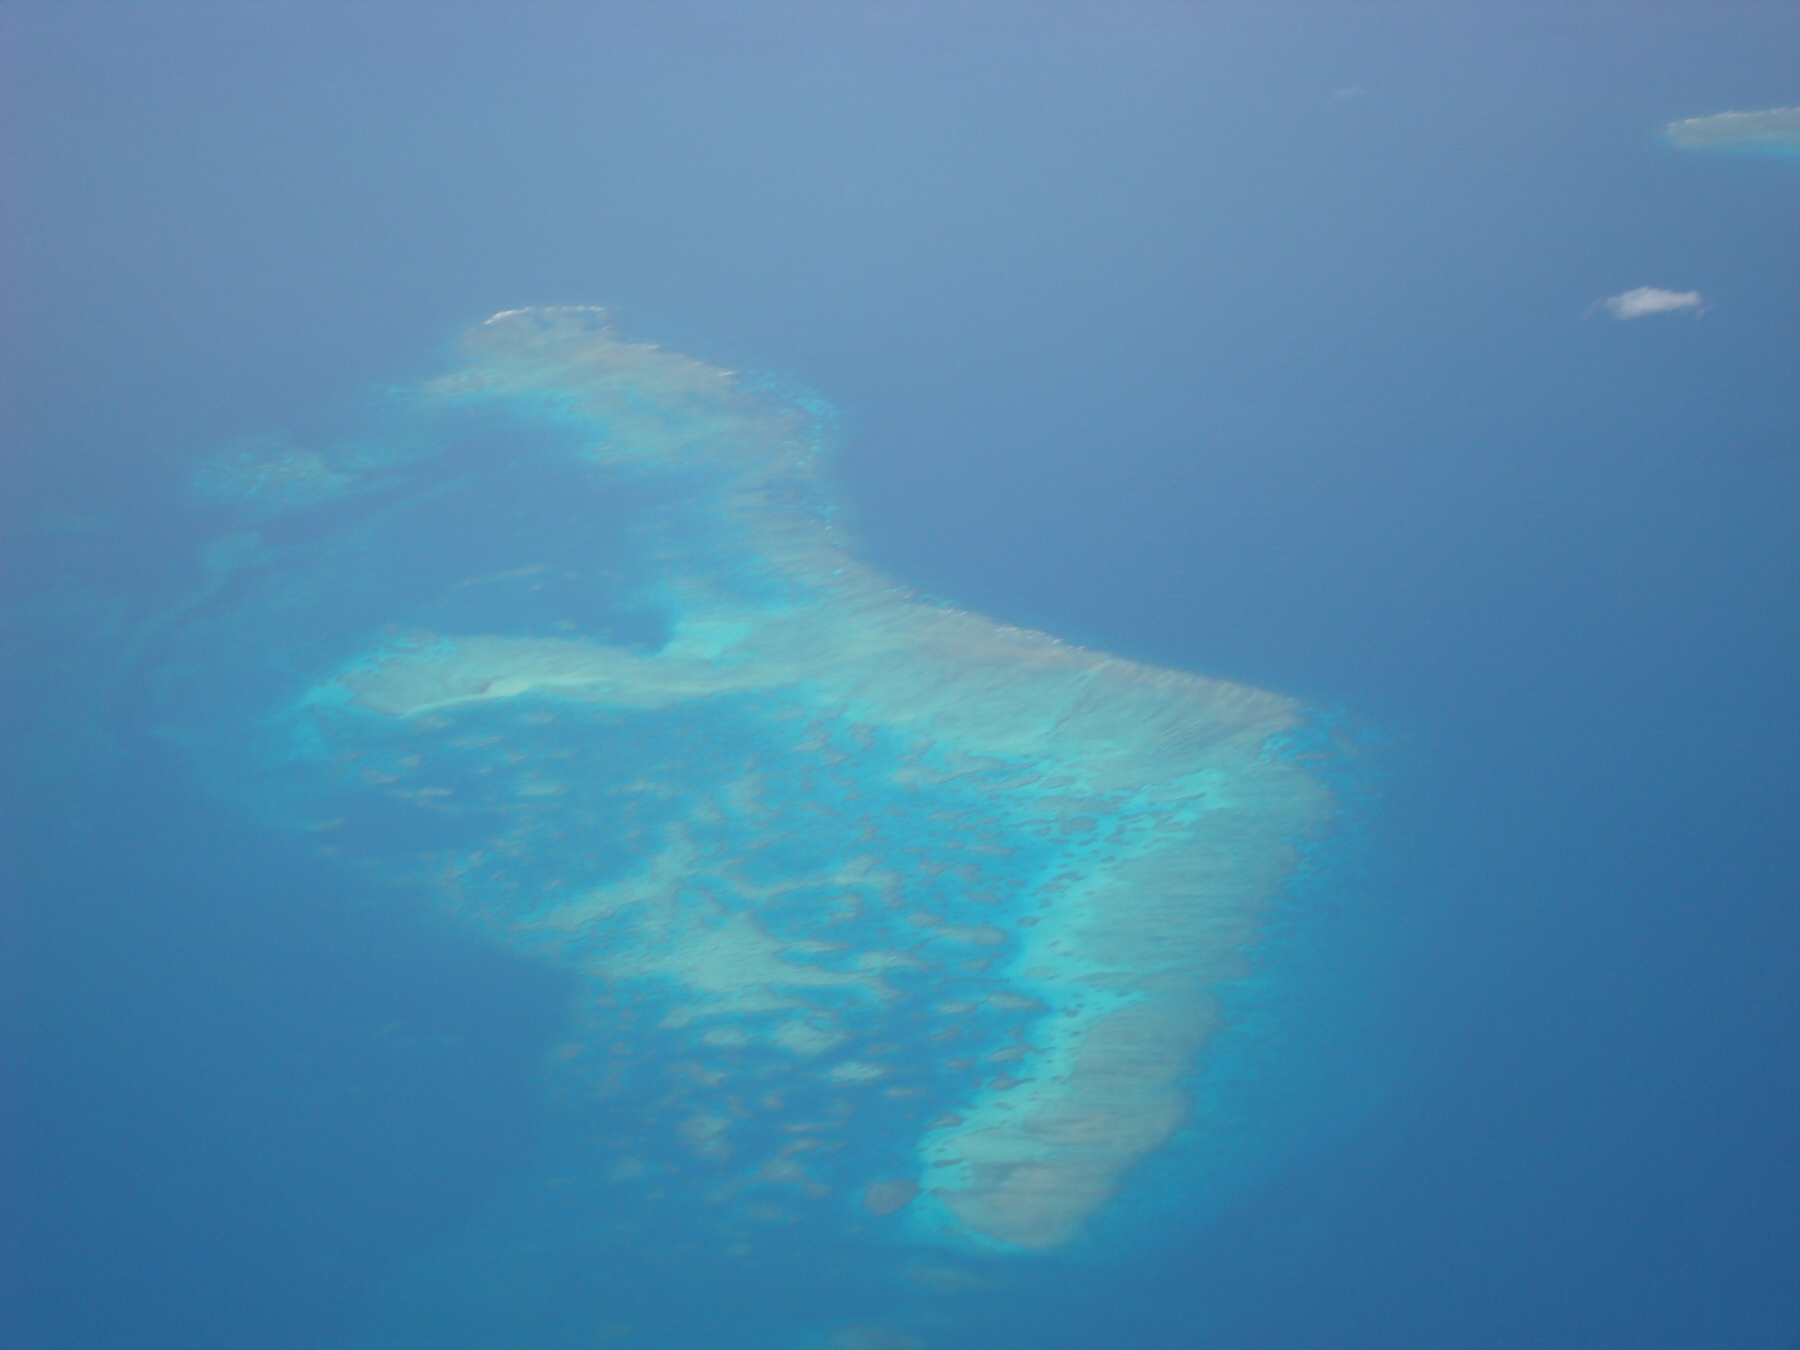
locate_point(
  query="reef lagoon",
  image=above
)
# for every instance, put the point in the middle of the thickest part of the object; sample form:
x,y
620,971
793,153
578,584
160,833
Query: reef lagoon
x,y
901,939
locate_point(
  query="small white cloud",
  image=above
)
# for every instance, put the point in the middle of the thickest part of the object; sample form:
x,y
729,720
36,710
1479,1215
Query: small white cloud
x,y
1648,300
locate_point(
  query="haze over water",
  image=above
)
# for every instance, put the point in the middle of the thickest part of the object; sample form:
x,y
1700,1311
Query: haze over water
x,y
894,678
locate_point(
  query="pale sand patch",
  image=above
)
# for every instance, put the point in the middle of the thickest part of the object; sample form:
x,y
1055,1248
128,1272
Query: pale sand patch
x,y
890,1197
807,1038
855,1071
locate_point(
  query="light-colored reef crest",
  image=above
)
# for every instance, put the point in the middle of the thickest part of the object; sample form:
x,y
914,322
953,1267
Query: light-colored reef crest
x,y
1771,129
821,848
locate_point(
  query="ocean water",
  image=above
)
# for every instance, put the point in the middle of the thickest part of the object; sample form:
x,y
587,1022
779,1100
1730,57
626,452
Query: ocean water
x,y
873,677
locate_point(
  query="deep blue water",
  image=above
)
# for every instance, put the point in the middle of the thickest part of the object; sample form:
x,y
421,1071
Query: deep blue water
x,y
1249,341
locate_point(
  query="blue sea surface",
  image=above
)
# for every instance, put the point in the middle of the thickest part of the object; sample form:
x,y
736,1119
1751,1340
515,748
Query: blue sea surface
x,y
380,621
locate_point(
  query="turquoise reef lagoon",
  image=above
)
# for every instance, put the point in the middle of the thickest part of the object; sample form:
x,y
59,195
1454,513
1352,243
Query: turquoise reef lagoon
x,y
912,953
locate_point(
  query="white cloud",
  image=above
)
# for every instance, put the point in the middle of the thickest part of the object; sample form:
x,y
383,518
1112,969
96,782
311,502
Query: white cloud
x,y
1647,300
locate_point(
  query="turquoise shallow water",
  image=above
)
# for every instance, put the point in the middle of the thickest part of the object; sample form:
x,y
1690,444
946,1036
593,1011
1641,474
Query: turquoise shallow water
x,y
911,952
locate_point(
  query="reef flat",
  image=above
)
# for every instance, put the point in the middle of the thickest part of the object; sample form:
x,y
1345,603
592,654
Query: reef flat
x,y
820,849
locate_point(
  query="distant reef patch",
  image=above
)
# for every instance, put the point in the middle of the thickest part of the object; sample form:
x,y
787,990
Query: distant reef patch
x,y
1770,131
